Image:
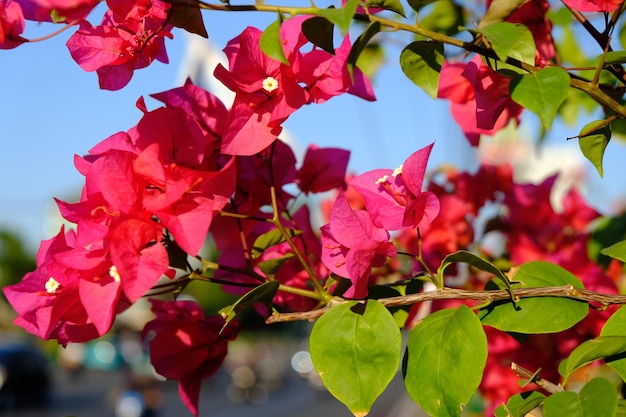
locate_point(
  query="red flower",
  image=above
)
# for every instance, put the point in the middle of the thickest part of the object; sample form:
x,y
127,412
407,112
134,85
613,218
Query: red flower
x,y
187,346
11,24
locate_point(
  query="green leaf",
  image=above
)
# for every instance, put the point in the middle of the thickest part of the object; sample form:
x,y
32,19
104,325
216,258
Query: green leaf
x,y
421,62
360,44
616,251
341,17
445,17
445,357
319,31
188,18
271,45
510,40
417,5
593,142
592,350
473,260
520,404
561,404
264,293
271,266
616,326
356,348
609,231
269,239
392,5
537,314
542,92
612,58
598,398
499,11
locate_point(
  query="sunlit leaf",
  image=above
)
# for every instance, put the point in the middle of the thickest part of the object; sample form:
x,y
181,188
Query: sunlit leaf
x,y
269,239
421,62
510,40
341,17
360,44
592,350
264,293
597,398
616,251
537,314
499,11
445,357
356,349
477,262
271,45
616,326
520,404
392,5
542,92
593,142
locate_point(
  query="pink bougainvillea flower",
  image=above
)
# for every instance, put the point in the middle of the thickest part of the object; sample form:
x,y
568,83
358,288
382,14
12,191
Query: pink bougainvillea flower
x,y
594,5
352,245
394,198
67,10
268,91
480,99
118,47
11,24
187,346
322,169
266,94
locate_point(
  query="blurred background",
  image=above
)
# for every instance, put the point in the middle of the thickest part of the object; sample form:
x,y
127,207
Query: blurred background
x,y
51,110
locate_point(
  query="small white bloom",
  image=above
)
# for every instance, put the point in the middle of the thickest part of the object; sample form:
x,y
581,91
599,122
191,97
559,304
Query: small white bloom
x,y
382,180
114,273
397,171
270,84
52,285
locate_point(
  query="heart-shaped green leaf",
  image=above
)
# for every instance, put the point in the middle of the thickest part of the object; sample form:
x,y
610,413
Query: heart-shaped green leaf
x,y
538,314
421,62
445,357
356,349
542,92
593,142
271,45
510,40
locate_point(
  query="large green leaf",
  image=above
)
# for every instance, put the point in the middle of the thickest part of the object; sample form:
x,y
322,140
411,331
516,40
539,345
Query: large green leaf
x,y
542,92
520,404
597,398
475,261
445,357
271,45
341,17
592,350
616,326
510,40
421,62
594,143
356,349
537,314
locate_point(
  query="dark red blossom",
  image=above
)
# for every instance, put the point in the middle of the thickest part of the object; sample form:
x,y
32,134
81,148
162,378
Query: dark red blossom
x,y
186,345
11,24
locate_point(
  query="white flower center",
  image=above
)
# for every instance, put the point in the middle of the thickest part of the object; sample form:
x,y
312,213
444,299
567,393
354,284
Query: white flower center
x,y
114,273
397,171
52,285
270,84
382,180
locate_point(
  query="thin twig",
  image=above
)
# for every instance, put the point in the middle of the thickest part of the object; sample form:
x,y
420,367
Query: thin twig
x,y
566,291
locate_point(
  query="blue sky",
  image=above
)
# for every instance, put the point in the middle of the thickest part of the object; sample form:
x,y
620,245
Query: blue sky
x,y
50,110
